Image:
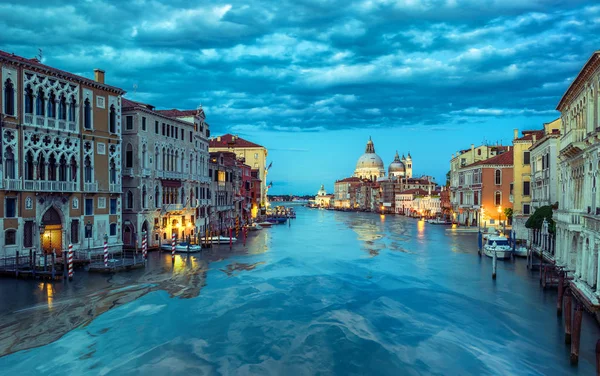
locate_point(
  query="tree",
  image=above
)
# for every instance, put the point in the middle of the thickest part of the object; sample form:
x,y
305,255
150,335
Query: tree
x,y
508,212
536,220
448,179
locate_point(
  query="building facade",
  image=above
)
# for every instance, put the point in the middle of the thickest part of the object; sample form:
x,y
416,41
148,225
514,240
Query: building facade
x,y
544,167
60,133
165,175
253,154
578,215
226,181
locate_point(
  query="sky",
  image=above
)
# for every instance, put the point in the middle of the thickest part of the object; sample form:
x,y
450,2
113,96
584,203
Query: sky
x,y
312,80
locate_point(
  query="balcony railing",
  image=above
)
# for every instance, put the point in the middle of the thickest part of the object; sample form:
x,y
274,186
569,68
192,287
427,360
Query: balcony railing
x,y
90,187
62,125
50,186
72,126
13,184
114,188
51,123
28,119
128,171
169,207
570,217
573,139
39,121
146,172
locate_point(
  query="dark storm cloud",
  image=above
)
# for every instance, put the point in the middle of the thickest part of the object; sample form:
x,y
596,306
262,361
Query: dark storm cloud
x,y
309,65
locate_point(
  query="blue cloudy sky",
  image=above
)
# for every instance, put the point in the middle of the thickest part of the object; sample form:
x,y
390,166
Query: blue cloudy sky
x,y
313,79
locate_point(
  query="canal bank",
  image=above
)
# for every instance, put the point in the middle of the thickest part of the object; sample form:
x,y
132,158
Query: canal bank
x,y
335,293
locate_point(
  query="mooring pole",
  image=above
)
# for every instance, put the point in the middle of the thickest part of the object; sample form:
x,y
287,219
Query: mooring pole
x,y
598,358
576,333
541,264
17,265
494,262
561,292
230,238
53,266
568,318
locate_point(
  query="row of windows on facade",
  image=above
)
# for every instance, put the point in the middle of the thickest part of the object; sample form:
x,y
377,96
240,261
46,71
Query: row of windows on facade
x,y
10,206
10,235
174,196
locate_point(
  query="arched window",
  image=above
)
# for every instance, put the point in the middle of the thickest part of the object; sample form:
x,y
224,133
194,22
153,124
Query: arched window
x,y
52,167
87,113
498,177
40,103
156,197
129,156
51,105
9,97
73,166
62,108
87,170
62,169
112,171
28,166
9,163
144,152
498,198
41,167
144,197
113,120
72,106
129,200
28,100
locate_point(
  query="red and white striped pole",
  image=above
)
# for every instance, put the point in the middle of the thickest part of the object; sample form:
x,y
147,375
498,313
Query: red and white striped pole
x,y
173,247
105,252
70,259
145,245
230,236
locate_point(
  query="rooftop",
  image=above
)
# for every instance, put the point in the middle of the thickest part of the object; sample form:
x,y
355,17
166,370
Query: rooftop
x,y
230,141
178,113
528,135
505,159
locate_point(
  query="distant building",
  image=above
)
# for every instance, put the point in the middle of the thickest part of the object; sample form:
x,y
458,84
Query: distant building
x,y
322,199
369,165
226,181
544,166
254,155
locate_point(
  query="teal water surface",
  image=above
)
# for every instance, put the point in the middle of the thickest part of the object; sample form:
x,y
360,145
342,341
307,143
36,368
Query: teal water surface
x,y
333,294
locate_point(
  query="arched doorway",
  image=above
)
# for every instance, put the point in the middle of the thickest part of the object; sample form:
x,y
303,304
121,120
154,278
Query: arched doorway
x,y
128,235
51,236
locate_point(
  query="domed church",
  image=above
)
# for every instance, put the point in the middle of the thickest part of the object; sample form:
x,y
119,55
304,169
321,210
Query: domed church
x,y
401,168
369,165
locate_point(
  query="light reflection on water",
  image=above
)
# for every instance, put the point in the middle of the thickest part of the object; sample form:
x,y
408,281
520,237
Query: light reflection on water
x,y
335,293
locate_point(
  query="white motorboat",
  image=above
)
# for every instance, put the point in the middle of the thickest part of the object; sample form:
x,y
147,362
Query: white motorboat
x,y
521,251
438,221
219,240
499,245
265,224
181,247
254,227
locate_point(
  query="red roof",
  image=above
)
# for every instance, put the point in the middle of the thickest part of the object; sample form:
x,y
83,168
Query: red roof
x,y
231,141
352,179
177,113
505,159
34,63
418,192
126,103
528,135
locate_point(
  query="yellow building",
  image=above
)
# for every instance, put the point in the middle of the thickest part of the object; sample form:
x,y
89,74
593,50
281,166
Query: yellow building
x,y
254,155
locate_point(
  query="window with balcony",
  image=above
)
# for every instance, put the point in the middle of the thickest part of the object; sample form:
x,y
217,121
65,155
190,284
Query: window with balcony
x,y
129,156
51,113
87,170
89,206
498,177
28,100
40,103
9,97
72,107
9,163
526,188
62,108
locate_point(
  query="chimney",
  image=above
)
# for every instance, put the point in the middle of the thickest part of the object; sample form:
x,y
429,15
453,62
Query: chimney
x,y
508,148
516,134
99,76
534,137
219,139
472,148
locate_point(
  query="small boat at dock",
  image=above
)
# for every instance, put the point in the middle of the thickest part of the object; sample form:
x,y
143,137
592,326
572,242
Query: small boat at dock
x,y
219,240
182,247
265,224
498,245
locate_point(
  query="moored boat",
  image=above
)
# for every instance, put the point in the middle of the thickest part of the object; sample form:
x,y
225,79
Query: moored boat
x,y
521,251
182,247
219,240
265,224
498,245
438,221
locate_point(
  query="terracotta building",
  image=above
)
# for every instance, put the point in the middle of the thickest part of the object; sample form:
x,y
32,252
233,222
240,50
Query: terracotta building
x,y
60,135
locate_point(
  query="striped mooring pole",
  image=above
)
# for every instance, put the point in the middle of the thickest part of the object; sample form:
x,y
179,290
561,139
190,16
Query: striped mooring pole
x,y
237,227
144,244
173,247
105,252
70,259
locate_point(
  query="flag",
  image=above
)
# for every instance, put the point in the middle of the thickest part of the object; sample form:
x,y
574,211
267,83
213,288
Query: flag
x,y
270,185
270,164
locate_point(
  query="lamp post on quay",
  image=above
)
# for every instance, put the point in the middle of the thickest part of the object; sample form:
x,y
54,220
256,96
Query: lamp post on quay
x,y
88,233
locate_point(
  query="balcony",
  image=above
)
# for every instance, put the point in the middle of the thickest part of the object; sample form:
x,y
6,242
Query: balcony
x,y
51,123
114,188
28,120
90,187
128,171
592,223
173,207
39,121
62,125
572,143
570,219
12,184
146,172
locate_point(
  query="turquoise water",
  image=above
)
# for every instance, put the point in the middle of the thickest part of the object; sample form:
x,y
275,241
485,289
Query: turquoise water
x,y
333,294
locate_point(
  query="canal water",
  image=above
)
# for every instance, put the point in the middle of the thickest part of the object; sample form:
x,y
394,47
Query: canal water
x,y
335,293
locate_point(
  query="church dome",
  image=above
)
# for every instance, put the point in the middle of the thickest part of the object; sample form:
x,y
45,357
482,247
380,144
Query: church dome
x,y
396,167
322,191
369,165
